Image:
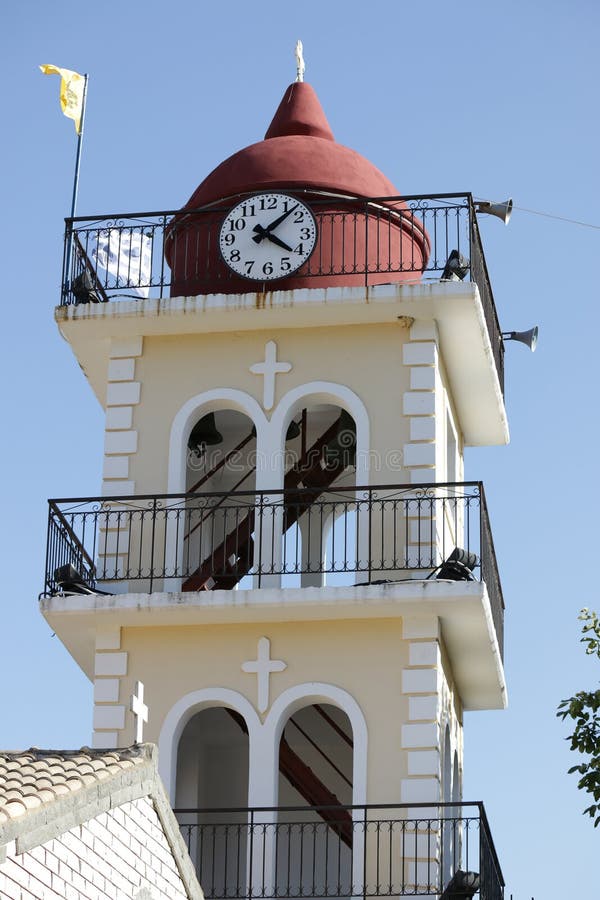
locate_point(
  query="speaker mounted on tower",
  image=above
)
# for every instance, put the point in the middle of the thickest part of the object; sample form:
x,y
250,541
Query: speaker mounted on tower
x,y
456,267
529,338
500,210
457,567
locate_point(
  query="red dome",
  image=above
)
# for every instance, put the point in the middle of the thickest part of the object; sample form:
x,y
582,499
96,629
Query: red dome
x,y
298,153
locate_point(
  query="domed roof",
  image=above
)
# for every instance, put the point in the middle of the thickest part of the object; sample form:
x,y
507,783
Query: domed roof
x,y
298,150
358,241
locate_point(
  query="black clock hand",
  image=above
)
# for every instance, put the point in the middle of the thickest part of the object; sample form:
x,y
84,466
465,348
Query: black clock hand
x,y
263,233
281,218
275,240
266,232
260,234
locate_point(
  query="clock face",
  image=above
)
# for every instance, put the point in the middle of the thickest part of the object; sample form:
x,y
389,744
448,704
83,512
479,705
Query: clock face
x,y
267,236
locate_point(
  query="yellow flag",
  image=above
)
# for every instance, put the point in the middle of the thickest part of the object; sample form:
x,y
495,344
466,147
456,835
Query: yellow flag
x,y
71,92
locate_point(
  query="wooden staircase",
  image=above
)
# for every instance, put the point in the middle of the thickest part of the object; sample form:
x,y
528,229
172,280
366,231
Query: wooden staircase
x,y
303,484
316,794
309,786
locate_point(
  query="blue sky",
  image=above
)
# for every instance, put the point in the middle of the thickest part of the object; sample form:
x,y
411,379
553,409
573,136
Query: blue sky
x,y
497,99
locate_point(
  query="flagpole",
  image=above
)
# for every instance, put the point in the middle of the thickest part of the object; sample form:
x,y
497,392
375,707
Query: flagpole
x,y
76,182
79,143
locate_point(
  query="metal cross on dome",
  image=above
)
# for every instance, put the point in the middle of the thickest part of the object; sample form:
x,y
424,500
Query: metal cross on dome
x,y
139,710
269,369
300,67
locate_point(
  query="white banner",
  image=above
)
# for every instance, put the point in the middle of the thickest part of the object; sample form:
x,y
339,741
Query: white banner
x,y
127,256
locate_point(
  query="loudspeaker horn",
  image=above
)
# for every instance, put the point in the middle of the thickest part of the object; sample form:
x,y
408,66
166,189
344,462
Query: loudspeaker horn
x,y
459,566
456,267
529,338
500,210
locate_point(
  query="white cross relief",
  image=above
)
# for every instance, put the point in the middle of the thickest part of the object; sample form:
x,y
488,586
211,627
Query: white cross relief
x,y
263,666
139,710
270,368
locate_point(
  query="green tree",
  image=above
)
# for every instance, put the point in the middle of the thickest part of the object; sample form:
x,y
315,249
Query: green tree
x,y
584,710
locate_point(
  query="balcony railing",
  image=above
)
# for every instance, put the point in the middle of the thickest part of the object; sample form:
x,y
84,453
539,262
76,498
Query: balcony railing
x,y
293,538
372,851
123,256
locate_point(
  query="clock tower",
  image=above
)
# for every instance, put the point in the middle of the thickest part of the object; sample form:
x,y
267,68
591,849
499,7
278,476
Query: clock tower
x,y
285,550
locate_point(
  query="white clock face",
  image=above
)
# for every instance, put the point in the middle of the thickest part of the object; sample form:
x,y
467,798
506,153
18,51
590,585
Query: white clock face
x,y
267,236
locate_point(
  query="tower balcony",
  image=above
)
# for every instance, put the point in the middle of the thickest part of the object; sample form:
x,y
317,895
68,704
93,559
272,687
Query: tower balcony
x,y
304,543
411,240
344,851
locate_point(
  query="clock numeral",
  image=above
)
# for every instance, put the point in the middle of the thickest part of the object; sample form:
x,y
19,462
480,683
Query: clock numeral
x,y
229,239
285,264
299,249
267,203
305,234
248,210
268,268
237,224
234,256
248,264
298,216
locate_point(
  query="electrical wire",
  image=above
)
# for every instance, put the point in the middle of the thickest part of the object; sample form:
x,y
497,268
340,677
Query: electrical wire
x,y
536,212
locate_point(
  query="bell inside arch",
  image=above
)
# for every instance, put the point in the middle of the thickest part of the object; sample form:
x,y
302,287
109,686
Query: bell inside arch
x,y
293,431
204,434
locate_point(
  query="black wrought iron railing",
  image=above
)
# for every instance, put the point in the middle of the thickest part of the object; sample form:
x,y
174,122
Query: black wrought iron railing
x,y
367,851
111,257
296,537
479,274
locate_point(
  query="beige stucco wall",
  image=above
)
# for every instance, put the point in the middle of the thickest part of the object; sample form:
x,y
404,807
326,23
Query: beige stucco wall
x,y
366,659
363,658
172,370
395,373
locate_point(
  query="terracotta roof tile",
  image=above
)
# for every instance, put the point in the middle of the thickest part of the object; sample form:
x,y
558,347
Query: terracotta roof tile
x,y
13,809
31,778
59,790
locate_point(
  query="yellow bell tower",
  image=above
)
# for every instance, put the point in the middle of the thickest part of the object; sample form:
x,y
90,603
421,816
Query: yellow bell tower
x,y
285,551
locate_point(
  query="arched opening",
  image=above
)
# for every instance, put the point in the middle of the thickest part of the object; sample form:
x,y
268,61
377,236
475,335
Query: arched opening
x,y
456,785
457,833
221,452
212,777
447,768
315,440
450,813
315,834
319,483
218,533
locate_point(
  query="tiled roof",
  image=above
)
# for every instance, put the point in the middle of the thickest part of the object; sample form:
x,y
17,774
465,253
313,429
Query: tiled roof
x,y
44,793
31,778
